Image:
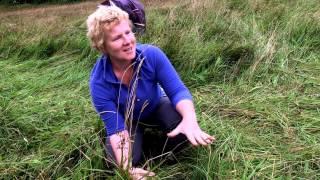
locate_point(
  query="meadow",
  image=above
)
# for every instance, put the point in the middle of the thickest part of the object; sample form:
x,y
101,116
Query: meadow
x,y
253,67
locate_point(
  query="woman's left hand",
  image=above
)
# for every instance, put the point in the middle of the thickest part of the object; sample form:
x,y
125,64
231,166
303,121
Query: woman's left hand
x,y
140,174
192,131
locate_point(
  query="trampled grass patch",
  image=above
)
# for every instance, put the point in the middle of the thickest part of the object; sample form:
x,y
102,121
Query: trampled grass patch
x,y
252,66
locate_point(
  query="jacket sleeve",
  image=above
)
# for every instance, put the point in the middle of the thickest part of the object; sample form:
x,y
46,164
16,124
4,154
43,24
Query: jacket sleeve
x,y
104,102
169,78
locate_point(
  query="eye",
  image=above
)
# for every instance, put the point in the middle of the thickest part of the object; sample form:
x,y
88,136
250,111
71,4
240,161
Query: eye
x,y
116,38
128,32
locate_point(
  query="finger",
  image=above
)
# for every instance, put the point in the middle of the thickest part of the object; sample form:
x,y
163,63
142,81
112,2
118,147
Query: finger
x,y
209,139
201,140
143,172
191,139
174,132
150,173
138,177
208,136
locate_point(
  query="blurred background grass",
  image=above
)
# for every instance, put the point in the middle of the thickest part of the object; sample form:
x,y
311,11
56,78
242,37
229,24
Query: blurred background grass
x,y
252,66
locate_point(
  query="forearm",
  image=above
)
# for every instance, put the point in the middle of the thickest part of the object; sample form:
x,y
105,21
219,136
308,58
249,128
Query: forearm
x,y
186,109
120,143
189,125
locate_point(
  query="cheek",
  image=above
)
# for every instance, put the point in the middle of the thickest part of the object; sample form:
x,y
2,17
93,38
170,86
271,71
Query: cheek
x,y
114,46
133,38
111,48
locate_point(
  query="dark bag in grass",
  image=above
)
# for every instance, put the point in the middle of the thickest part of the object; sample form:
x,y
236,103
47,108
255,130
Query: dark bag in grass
x,y
134,8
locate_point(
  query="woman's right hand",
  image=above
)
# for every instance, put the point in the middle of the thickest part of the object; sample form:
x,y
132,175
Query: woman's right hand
x,y
140,174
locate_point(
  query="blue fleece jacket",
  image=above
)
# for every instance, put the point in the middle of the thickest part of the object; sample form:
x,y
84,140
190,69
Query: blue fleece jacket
x,y
153,72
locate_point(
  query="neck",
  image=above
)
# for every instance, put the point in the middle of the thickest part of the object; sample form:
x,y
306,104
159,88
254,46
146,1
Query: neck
x,y
123,71
120,65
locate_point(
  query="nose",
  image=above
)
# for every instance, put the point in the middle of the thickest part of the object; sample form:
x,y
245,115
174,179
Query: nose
x,y
126,39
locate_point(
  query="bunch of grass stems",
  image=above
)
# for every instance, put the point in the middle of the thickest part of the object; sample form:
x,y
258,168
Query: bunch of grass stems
x,y
129,118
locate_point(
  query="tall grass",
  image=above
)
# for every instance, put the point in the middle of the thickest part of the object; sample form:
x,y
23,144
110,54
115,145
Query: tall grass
x,y
252,66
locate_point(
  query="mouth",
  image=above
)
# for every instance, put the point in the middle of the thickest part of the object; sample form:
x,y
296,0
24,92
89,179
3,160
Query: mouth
x,y
128,50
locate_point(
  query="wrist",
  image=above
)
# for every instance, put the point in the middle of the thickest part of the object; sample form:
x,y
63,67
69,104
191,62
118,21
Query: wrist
x,y
120,143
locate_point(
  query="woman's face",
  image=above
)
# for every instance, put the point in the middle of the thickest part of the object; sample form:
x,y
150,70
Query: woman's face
x,y
120,42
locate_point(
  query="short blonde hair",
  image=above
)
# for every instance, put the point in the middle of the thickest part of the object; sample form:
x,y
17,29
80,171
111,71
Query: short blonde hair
x,y
103,16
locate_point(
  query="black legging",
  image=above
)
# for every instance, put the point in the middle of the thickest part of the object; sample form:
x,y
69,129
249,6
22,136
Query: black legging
x,y
165,118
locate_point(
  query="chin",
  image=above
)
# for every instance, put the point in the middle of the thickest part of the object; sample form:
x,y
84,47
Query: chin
x,y
131,57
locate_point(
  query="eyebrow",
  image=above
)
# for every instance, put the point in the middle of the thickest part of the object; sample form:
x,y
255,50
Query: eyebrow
x,y
119,35
116,36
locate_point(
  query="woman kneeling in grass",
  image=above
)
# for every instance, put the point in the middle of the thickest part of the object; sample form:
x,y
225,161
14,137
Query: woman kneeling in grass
x,y
134,85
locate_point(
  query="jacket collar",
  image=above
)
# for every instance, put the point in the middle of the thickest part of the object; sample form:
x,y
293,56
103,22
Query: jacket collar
x,y
108,73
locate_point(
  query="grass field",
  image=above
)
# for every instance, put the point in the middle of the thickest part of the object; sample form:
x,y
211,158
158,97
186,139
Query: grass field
x,y
253,67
